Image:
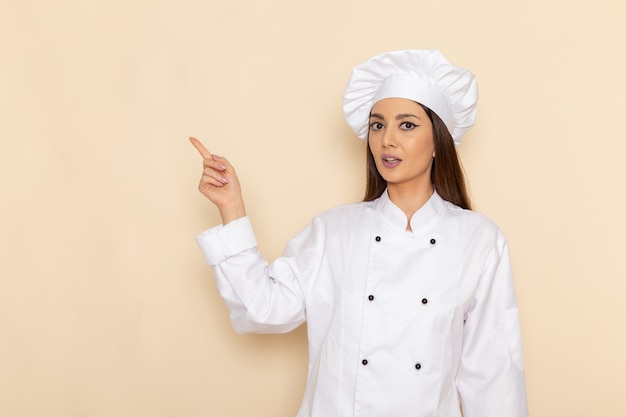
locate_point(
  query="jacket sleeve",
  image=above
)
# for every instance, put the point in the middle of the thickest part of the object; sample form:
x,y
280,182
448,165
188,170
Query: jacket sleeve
x,y
260,297
490,379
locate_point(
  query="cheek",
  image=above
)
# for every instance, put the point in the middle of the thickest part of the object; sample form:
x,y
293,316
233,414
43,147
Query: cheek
x,y
429,146
373,144
372,138
431,150
423,147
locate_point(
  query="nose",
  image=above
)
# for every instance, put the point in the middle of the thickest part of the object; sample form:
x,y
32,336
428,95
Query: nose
x,y
389,138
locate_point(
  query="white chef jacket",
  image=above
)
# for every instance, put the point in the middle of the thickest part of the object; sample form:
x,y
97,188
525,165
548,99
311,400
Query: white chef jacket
x,y
400,323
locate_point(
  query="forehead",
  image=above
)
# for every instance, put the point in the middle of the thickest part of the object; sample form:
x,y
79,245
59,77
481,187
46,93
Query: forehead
x,y
392,106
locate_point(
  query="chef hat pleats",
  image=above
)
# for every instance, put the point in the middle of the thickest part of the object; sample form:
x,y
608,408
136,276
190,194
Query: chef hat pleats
x,y
424,76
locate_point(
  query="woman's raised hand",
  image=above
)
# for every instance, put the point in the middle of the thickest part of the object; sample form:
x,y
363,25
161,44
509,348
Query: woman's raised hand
x,y
219,183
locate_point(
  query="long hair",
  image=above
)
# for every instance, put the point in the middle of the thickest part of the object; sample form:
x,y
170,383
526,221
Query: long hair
x,y
446,174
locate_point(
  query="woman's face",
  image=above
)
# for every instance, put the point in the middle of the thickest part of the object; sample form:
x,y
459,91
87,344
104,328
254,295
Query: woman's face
x,y
401,141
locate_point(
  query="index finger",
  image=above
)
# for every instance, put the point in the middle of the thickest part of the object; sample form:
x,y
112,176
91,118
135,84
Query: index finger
x,y
200,147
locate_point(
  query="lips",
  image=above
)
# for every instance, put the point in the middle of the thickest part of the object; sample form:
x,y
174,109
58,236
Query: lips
x,y
390,161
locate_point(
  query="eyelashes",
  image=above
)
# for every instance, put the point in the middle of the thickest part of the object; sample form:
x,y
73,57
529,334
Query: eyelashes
x,y
376,126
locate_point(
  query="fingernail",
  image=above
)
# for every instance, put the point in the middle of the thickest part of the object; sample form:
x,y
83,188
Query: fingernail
x,y
224,180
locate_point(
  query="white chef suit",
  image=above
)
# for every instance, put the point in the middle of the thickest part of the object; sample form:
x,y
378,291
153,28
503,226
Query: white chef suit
x,y
400,323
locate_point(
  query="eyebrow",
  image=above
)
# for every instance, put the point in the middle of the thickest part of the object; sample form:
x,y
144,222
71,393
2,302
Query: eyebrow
x,y
398,117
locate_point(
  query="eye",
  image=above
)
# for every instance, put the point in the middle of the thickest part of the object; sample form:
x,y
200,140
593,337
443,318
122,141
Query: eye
x,y
408,126
376,126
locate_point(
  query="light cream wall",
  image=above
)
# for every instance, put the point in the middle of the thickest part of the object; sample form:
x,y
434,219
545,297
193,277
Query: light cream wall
x,y
106,306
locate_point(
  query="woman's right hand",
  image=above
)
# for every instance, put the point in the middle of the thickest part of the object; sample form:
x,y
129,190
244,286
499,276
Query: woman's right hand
x,y
219,183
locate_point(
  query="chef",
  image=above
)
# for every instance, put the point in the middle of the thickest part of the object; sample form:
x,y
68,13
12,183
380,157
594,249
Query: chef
x,y
408,295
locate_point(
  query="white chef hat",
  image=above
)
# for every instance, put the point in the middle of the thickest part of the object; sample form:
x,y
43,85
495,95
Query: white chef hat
x,y
424,76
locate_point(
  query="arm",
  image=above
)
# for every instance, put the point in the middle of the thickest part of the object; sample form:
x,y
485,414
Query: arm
x,y
491,379
260,298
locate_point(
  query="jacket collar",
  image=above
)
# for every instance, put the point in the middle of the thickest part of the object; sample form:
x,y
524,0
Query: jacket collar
x,y
396,219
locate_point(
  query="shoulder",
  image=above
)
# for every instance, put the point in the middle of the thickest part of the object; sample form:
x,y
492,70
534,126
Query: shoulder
x,y
343,214
475,226
342,219
336,223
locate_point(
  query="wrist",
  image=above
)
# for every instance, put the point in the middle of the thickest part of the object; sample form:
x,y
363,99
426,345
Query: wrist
x,y
232,212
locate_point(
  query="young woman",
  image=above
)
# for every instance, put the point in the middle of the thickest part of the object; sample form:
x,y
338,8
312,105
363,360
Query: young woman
x,y
408,295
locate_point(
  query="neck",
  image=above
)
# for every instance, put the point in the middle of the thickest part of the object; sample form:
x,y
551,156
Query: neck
x,y
409,199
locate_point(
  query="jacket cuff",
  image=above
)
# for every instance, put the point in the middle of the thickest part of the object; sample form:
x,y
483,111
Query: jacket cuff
x,y
221,242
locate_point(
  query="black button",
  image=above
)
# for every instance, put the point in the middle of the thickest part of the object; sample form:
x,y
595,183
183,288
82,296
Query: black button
x,y
424,300
370,297
433,241
364,362
418,366
377,238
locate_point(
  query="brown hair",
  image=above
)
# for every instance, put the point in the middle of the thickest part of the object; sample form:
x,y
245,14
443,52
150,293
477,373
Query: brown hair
x,y
446,175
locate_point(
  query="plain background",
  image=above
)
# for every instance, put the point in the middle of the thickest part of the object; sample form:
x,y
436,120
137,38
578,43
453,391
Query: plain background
x,y
106,305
